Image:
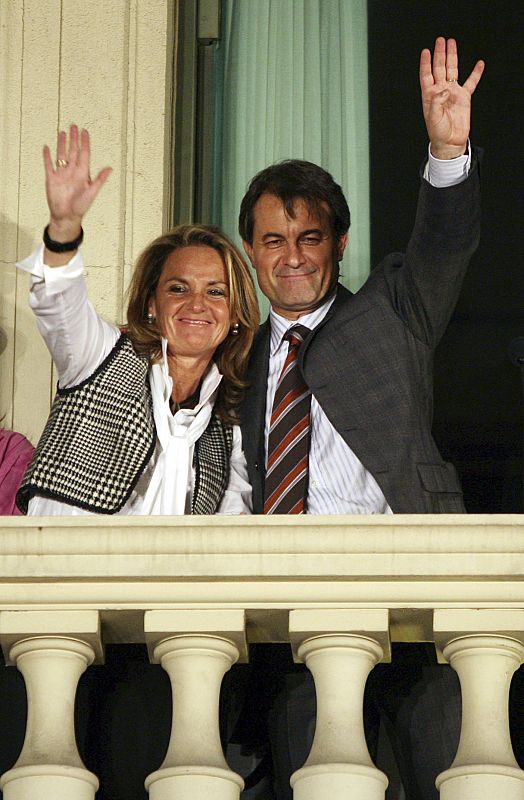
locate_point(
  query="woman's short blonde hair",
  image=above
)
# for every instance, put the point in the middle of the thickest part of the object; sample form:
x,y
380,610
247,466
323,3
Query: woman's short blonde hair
x,y
232,354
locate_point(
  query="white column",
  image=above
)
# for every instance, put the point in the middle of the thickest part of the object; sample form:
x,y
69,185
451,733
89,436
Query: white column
x,y
205,646
49,766
484,766
339,764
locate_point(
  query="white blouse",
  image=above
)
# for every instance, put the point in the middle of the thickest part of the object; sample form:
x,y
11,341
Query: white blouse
x,y
79,340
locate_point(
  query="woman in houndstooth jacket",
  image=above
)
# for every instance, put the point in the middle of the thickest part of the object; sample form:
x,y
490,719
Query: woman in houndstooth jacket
x,y
144,420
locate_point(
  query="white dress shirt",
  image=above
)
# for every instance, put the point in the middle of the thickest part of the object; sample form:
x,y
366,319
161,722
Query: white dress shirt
x,y
338,481
79,340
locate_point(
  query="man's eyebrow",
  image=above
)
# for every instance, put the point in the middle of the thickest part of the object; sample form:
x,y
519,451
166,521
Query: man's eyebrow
x,y
306,232
270,235
309,231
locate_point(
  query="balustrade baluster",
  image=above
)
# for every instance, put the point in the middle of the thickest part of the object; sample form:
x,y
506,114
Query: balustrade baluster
x,y
49,766
485,660
196,659
339,764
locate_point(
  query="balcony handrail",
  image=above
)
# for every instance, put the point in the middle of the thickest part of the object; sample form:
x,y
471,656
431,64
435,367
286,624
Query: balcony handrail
x,y
267,565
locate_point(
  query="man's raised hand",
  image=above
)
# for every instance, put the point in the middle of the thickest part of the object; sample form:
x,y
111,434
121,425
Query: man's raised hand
x,y
445,103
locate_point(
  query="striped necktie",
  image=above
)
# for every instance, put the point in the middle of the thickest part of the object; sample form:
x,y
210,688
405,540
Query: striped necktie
x,y
288,442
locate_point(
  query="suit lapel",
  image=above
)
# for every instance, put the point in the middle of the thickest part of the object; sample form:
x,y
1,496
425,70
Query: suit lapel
x,y
340,301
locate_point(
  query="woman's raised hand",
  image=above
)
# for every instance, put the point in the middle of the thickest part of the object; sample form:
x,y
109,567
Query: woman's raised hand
x,y
69,187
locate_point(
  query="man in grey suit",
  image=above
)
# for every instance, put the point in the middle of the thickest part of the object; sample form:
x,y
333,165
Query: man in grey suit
x,y
367,360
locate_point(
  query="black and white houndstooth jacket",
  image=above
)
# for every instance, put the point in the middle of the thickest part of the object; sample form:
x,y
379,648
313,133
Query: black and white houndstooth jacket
x,y
101,434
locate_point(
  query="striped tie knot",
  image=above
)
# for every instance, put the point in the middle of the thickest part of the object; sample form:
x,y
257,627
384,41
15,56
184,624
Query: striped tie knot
x,y
288,441
296,335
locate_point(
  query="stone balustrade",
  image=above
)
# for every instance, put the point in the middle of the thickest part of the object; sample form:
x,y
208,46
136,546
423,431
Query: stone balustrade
x,y
198,590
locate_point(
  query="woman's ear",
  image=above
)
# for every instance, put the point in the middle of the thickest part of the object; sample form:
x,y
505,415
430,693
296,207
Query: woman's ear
x,y
233,325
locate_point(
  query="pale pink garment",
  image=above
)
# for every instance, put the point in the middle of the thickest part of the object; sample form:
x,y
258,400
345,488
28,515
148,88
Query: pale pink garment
x,y
15,454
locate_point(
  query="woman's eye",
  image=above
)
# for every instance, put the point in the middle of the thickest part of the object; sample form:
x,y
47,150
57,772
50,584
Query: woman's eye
x,y
217,292
176,288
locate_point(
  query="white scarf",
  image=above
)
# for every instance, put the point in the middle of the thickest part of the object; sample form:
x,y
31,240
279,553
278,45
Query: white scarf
x,y
170,488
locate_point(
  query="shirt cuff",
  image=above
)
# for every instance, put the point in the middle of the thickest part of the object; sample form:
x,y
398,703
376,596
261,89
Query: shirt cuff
x,y
442,173
56,279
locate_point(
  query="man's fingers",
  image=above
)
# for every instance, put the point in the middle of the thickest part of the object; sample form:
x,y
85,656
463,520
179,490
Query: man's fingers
x,y
472,82
439,60
451,60
425,72
444,66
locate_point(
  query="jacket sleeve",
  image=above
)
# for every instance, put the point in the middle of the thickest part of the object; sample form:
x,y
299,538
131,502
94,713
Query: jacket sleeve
x,y
76,336
424,283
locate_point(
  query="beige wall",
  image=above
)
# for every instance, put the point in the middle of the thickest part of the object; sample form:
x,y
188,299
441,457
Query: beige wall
x,y
102,64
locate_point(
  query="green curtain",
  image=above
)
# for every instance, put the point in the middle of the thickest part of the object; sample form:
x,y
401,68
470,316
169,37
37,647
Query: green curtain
x,y
293,83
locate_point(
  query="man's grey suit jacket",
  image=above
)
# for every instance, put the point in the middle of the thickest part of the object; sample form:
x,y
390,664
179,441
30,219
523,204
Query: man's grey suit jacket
x,y
369,363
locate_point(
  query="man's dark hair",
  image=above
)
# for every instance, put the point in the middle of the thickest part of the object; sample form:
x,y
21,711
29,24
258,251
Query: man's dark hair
x,y
294,180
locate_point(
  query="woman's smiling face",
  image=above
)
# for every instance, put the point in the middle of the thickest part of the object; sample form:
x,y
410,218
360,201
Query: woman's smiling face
x,y
191,302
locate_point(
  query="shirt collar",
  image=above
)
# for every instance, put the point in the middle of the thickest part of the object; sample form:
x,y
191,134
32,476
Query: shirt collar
x,y
279,324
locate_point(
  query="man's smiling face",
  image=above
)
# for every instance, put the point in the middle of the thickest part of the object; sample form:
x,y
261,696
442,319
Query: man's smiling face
x,y
294,258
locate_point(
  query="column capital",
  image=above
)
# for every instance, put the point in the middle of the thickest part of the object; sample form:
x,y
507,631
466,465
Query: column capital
x,y
228,624
82,626
450,624
369,623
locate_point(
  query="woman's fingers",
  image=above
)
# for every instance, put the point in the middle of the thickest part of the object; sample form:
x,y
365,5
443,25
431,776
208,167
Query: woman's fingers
x,y
98,182
48,161
73,145
70,190
61,151
84,154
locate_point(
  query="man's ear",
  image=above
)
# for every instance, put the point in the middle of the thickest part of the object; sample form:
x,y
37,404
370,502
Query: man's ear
x,y
248,250
341,245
